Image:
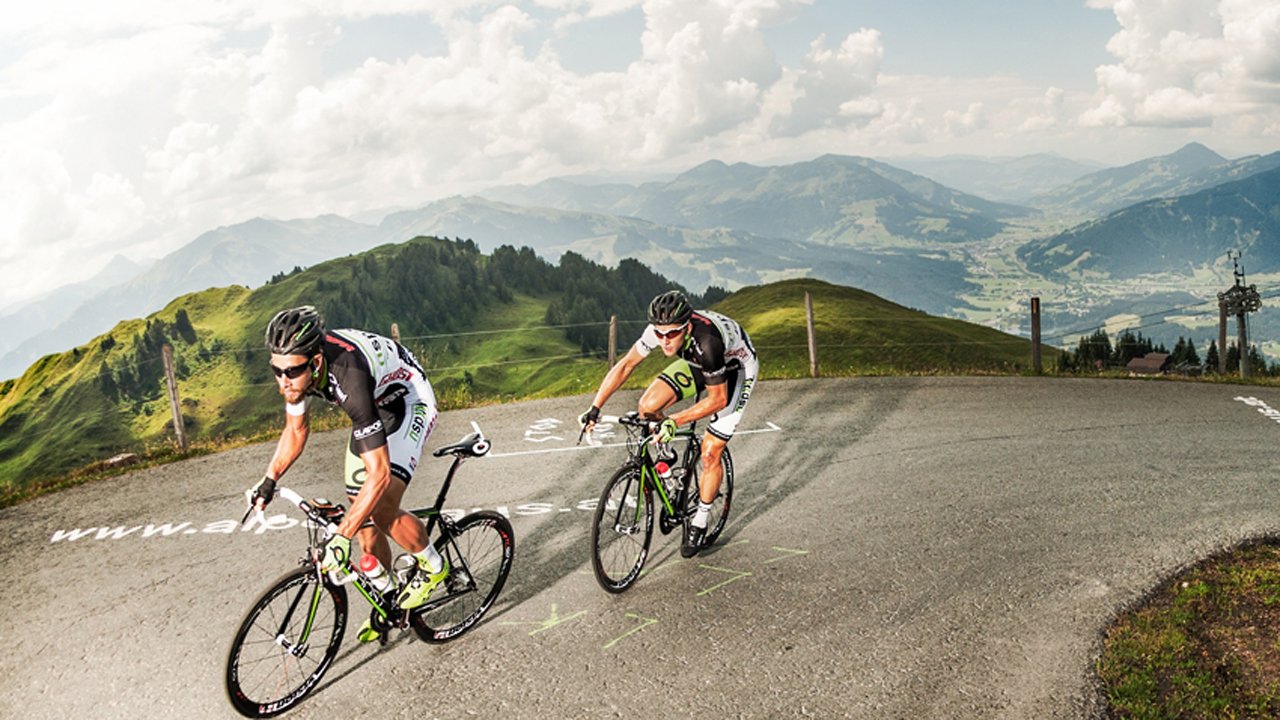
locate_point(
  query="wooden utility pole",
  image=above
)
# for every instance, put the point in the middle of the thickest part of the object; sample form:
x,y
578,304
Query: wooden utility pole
x,y
171,382
1035,336
613,339
1243,335
1222,337
813,340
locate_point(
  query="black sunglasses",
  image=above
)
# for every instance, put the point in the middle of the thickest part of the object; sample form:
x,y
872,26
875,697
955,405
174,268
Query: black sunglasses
x,y
293,373
670,333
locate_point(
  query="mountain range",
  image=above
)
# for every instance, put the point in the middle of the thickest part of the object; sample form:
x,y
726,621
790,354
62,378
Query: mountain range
x,y
1016,180
834,200
849,220
1192,168
1177,235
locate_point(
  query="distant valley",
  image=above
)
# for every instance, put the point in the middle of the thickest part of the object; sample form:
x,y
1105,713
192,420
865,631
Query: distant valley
x,y
1094,243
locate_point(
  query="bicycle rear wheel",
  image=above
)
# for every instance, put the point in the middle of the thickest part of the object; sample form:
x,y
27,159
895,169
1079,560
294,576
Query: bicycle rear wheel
x,y
285,644
719,506
622,530
479,548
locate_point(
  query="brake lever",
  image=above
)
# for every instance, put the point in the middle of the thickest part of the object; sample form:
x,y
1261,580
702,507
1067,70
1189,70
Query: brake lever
x,y
261,516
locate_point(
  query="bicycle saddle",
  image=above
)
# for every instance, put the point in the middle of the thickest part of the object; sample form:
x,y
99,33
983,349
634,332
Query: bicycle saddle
x,y
473,445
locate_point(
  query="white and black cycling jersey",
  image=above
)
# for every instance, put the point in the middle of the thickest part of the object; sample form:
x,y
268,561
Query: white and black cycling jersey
x,y
716,347
375,380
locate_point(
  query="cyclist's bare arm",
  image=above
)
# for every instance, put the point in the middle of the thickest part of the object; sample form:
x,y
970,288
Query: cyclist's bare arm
x,y
613,379
377,467
292,440
715,400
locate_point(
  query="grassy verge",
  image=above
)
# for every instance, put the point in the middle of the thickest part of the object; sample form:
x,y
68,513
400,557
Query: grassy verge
x,y
1204,645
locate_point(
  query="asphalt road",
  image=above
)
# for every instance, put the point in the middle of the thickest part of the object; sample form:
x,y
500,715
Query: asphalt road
x,y
898,547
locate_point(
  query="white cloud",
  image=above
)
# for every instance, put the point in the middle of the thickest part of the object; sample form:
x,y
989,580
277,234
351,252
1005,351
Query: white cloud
x,y
1047,114
831,86
965,123
148,122
1188,63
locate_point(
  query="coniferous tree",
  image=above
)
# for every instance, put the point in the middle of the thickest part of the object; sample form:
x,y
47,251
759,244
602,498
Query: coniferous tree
x,y
1233,358
1257,363
1191,356
1066,362
1094,351
1211,357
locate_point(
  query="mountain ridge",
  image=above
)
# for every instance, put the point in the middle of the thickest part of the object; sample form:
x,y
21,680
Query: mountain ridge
x,y
1171,234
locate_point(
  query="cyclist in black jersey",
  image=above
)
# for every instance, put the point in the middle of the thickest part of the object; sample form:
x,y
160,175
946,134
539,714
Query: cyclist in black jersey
x,y
713,354
392,406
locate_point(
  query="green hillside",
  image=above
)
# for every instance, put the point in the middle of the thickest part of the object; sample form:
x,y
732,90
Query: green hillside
x,y
861,334
489,328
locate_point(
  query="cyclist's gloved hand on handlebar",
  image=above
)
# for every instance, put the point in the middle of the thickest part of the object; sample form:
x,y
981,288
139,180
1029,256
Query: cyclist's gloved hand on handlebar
x,y
666,430
262,492
337,553
589,417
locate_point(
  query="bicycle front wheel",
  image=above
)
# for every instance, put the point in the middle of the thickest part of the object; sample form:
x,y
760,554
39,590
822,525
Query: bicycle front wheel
x,y
720,505
285,644
479,548
622,530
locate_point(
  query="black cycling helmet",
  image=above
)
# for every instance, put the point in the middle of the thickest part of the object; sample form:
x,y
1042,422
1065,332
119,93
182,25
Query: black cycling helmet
x,y
670,308
297,331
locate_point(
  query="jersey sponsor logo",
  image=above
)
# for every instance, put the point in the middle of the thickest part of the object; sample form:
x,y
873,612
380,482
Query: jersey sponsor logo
x,y
417,426
377,348
338,392
366,431
395,394
399,374
738,352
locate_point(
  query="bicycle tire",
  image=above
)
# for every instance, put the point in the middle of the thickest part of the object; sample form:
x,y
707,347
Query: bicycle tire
x,y
487,545
264,678
719,507
618,548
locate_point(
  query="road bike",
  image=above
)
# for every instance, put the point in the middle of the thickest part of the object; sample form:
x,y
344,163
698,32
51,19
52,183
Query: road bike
x,y
623,526
291,634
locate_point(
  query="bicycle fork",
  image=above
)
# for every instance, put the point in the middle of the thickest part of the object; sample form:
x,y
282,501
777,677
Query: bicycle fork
x,y
299,649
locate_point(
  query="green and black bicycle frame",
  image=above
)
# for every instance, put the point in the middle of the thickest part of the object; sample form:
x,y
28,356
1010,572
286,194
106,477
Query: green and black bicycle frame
x,y
642,460
386,613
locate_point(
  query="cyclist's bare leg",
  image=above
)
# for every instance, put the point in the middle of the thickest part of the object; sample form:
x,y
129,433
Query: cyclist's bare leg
x,y
712,469
374,541
407,530
656,399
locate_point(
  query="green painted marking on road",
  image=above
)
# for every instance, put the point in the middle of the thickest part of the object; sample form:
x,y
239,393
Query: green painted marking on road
x,y
790,554
735,542
544,625
737,575
647,622
651,570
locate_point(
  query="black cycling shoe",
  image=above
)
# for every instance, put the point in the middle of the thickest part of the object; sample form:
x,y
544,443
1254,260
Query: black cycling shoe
x,y
692,541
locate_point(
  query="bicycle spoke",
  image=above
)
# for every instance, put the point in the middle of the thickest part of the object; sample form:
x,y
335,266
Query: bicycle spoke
x,y
622,530
268,668
480,548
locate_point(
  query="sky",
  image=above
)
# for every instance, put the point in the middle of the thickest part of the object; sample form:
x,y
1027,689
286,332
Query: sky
x,y
131,127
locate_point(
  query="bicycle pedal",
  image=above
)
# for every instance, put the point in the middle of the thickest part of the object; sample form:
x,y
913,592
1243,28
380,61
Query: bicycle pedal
x,y
666,523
